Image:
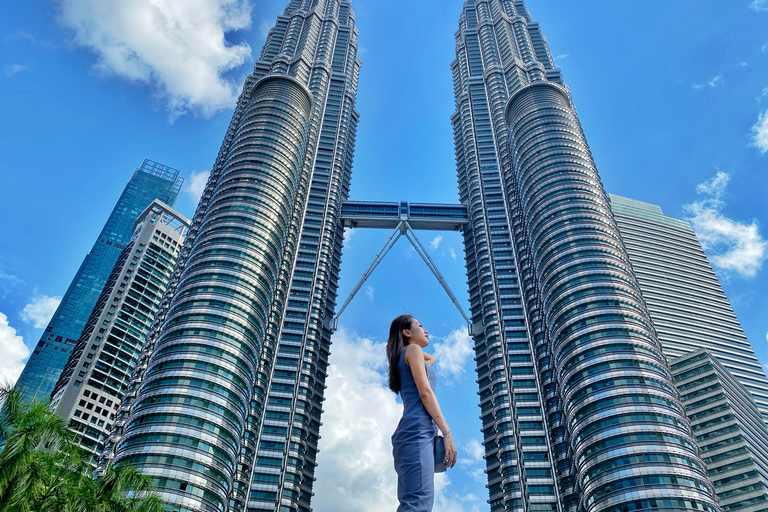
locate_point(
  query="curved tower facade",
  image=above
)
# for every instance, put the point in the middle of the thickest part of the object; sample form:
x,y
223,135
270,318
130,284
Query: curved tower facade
x,y
223,410
579,408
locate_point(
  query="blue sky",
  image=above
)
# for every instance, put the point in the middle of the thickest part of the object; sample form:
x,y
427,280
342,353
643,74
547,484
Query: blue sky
x,y
673,98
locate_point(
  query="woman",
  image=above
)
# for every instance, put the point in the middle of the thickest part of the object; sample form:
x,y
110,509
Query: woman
x,y
411,375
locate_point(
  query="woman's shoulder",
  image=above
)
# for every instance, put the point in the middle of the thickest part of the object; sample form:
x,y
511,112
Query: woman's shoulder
x,y
412,349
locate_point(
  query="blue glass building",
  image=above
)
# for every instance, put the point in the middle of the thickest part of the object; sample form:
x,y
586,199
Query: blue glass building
x,y
149,182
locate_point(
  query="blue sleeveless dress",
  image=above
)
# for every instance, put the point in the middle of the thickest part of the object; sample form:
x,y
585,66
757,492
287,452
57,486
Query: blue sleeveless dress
x,y
413,445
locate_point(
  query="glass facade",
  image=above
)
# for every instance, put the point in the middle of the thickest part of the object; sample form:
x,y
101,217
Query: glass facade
x,y
687,304
149,182
94,379
578,405
223,409
728,428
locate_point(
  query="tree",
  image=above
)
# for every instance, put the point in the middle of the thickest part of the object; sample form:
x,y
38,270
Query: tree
x,y
43,469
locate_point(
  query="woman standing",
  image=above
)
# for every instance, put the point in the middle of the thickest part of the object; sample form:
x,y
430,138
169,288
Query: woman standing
x,y
411,375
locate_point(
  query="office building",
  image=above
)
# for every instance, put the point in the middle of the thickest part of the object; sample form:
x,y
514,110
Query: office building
x,y
149,182
687,304
223,410
578,406
92,384
728,428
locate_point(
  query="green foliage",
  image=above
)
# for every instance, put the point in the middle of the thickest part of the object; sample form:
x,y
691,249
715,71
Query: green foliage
x,y
43,469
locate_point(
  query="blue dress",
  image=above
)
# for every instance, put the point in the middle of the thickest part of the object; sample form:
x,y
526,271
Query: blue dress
x,y
413,445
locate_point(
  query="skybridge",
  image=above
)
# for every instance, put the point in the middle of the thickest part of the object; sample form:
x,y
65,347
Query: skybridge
x,y
404,219
420,216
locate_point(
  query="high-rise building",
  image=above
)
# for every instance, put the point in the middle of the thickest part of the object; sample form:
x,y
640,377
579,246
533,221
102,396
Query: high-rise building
x,y
687,304
149,182
728,428
92,384
579,408
578,405
223,409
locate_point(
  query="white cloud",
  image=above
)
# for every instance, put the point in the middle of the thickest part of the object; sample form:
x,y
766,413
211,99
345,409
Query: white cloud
x,y
760,5
264,27
356,470
369,292
355,466
712,84
179,47
195,185
447,501
452,353
13,352
733,246
348,234
474,450
760,132
435,243
716,186
452,253
560,58
13,69
40,310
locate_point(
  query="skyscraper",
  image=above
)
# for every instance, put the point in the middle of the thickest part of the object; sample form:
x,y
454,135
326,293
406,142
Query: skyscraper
x,y
91,386
578,403
579,409
687,304
237,362
149,182
729,430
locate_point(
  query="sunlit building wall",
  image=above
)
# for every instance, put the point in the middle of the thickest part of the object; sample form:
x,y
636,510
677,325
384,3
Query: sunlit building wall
x,y
578,406
223,410
149,182
94,379
684,296
728,428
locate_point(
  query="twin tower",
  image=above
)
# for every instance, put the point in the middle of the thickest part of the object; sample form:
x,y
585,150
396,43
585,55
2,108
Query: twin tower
x,y
579,407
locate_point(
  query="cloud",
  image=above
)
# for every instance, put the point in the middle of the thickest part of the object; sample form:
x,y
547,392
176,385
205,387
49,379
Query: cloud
x,y
733,246
472,460
14,69
760,5
195,185
369,292
474,450
435,243
452,353
716,186
760,132
264,27
452,253
7,282
178,47
712,84
40,310
13,352
447,501
355,448
355,453
348,234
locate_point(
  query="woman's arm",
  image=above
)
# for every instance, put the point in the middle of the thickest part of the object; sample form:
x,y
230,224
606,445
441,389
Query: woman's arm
x,y
429,358
414,356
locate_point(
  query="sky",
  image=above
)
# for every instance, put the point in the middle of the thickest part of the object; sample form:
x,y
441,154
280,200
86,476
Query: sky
x,y
673,97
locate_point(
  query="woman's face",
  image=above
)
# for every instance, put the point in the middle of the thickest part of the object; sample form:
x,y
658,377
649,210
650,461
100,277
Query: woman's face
x,y
417,334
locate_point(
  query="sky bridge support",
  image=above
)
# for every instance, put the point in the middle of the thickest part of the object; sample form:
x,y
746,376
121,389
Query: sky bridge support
x,y
405,218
